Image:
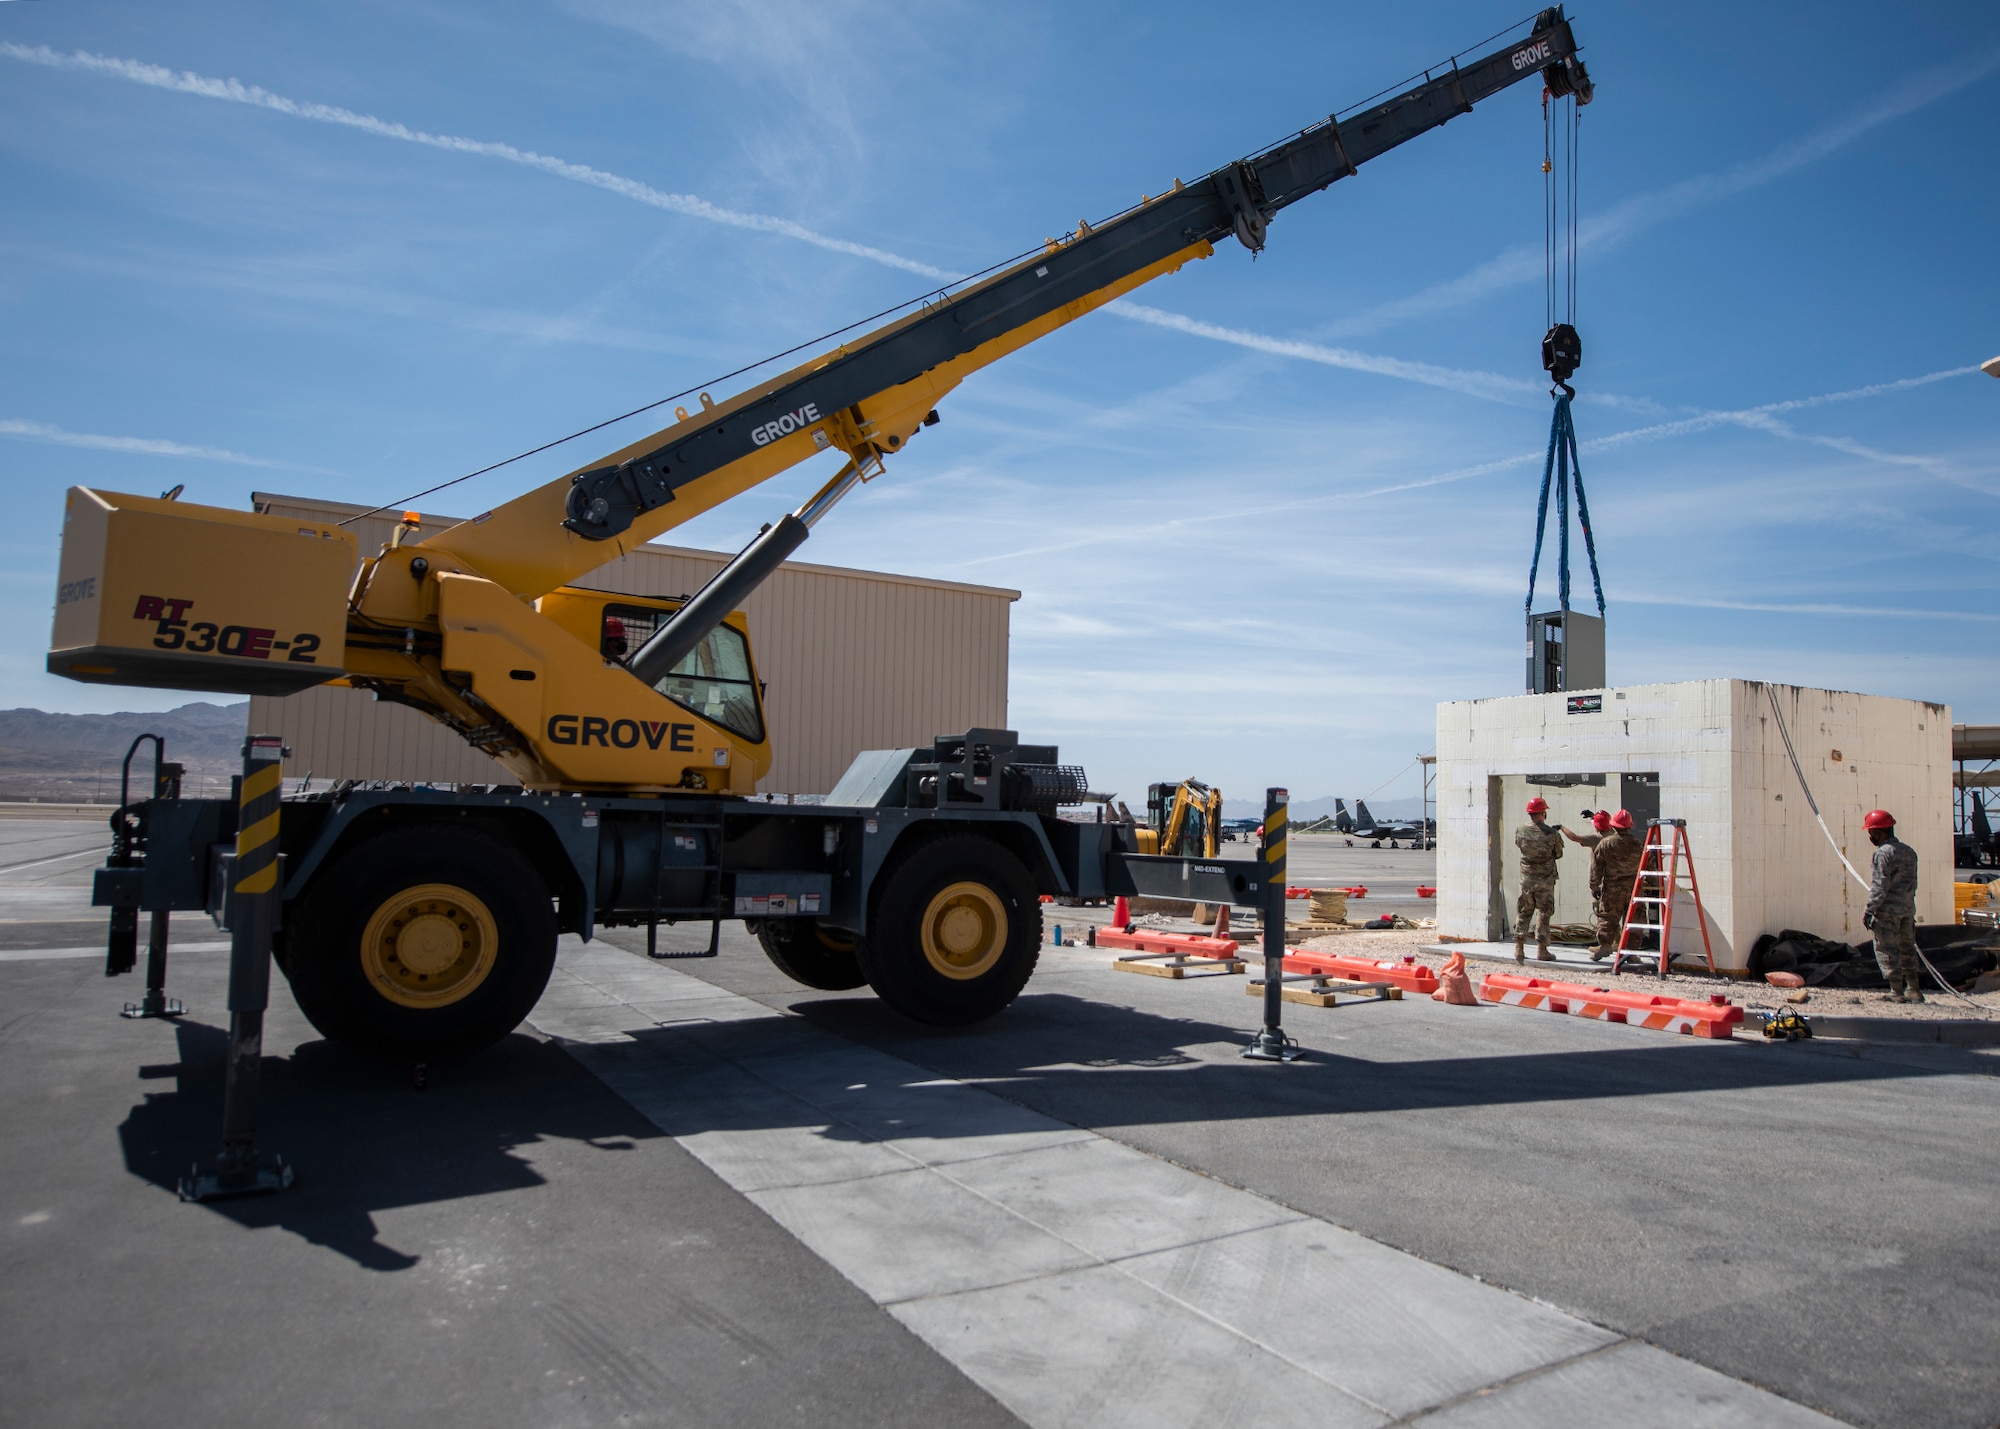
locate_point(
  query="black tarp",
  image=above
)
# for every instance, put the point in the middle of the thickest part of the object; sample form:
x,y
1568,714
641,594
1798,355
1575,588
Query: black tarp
x,y
1959,954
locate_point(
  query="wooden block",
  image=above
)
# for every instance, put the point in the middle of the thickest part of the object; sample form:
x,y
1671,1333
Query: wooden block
x,y
1150,969
1206,967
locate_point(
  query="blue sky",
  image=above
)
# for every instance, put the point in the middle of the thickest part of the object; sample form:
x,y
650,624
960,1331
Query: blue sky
x,y
1263,523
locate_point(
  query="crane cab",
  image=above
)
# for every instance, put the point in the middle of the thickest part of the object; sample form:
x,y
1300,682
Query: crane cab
x,y
716,681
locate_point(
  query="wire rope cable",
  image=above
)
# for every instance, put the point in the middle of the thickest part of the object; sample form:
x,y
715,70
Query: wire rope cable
x,y
943,290
1785,734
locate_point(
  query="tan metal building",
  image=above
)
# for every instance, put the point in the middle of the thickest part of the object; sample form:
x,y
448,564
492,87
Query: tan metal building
x,y
851,659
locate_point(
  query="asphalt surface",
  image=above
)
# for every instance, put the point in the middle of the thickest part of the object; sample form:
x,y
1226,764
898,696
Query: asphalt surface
x,y
1390,875
517,1245
513,1245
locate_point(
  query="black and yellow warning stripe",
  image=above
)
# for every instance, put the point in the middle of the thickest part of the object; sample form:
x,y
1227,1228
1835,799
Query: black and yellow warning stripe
x,y
1274,836
257,829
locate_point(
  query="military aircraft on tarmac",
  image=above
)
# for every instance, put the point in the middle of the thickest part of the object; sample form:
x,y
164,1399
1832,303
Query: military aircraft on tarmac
x,y
1367,826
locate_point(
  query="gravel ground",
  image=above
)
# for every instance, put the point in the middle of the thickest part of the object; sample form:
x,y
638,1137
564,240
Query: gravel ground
x,y
1937,1005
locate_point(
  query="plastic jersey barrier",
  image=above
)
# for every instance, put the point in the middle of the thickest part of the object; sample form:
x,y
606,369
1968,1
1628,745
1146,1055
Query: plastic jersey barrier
x,y
1408,974
1193,945
1717,1016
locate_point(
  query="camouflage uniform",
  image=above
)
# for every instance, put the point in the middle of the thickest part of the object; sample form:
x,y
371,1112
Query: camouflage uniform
x,y
1614,863
1540,847
1892,913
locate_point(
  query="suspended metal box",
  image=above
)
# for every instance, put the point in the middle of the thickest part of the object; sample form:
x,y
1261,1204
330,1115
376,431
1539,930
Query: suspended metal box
x,y
1565,652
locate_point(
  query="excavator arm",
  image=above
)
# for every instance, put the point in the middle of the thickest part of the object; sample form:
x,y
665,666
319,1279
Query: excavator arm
x,y
480,627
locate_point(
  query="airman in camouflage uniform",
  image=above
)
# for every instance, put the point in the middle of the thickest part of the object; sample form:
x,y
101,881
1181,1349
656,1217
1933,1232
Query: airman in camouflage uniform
x,y
1540,847
1599,821
1892,909
1614,863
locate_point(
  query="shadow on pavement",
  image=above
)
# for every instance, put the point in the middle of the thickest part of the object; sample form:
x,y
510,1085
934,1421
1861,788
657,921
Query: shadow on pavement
x,y
363,1138
1082,1059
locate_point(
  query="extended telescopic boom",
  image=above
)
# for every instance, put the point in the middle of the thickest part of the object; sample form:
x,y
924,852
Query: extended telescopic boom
x,y
868,396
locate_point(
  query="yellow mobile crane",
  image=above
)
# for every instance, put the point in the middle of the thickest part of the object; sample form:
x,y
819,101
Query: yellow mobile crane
x,y
420,923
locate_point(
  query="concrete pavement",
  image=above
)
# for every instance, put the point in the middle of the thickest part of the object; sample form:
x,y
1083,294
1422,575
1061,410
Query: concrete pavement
x,y
774,1205
1079,1281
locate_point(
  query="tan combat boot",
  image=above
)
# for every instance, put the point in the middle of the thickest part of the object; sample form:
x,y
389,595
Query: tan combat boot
x,y
1520,956
1913,990
1895,990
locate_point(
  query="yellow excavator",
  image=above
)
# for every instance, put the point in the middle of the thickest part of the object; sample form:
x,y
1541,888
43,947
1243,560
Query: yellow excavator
x,y
1183,820
419,922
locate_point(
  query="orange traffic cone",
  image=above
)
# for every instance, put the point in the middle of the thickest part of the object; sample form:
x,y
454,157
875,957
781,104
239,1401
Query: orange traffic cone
x,y
1221,921
1454,986
1121,915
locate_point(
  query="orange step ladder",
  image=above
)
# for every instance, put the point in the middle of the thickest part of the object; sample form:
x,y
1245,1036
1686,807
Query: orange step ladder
x,y
1656,886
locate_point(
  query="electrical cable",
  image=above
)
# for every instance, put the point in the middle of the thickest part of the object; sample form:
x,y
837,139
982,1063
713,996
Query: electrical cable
x,y
1813,804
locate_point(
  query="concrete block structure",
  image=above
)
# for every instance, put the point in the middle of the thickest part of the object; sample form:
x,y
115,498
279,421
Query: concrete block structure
x,y
1709,752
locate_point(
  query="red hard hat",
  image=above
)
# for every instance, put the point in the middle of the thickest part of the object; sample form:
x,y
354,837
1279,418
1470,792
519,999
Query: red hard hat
x,y
1538,805
1602,821
1621,820
1878,819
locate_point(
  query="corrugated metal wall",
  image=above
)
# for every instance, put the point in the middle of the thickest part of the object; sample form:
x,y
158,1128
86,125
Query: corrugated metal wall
x,y
853,659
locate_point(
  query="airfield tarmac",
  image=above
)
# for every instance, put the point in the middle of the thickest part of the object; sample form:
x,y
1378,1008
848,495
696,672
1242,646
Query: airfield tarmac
x,y
696,1192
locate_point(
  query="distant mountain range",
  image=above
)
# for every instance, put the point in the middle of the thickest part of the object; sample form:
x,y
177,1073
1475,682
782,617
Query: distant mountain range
x,y
69,758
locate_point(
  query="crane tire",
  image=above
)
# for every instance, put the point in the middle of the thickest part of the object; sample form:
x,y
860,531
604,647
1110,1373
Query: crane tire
x,y
425,944
955,932
806,951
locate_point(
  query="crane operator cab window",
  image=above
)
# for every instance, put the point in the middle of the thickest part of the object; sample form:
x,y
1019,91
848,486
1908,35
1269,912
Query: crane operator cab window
x,y
714,679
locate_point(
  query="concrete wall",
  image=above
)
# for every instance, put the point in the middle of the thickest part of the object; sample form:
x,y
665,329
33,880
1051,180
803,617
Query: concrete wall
x,y
852,659
1761,860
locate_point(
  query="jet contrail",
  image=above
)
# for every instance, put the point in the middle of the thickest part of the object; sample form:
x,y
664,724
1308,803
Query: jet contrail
x,y
1517,266
1490,385
1627,218
236,92
1754,418
143,446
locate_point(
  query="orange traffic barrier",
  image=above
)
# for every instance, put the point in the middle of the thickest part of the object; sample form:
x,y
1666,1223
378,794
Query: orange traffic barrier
x,y
1424,890
1408,973
1292,890
1454,986
1192,945
1360,890
1715,1017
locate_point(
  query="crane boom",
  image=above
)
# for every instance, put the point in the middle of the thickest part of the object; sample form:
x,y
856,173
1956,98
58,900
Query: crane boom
x,y
868,396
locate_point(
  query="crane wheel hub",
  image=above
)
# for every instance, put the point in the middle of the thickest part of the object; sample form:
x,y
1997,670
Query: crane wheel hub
x,y
964,930
429,946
